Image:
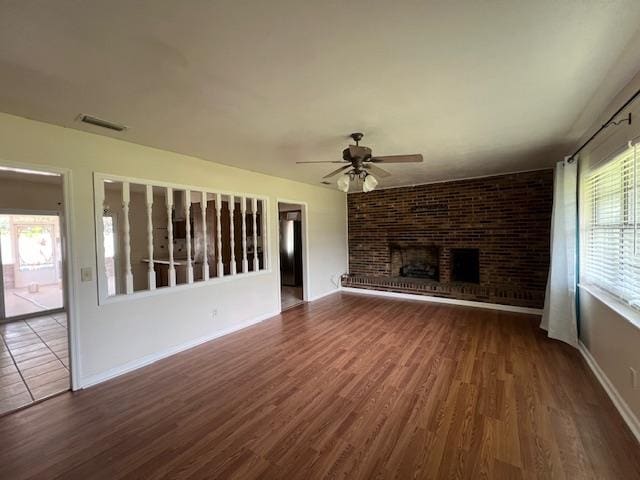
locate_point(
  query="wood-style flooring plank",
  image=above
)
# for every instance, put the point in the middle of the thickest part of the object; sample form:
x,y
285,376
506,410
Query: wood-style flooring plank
x,y
349,386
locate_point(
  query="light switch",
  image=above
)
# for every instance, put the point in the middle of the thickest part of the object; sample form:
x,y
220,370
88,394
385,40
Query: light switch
x,y
86,274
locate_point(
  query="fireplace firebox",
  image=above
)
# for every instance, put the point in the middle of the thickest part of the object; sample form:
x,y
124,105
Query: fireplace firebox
x,y
415,261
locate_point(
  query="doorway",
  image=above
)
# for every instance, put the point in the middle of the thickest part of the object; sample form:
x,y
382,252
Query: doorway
x,y
34,333
31,254
291,236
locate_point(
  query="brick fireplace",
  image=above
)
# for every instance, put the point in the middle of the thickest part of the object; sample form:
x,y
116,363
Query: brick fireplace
x,y
483,239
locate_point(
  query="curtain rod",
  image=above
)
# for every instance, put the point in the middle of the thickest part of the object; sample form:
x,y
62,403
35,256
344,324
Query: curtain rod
x,y
606,124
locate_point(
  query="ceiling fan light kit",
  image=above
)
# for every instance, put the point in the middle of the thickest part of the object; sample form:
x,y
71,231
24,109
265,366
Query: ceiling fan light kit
x,y
359,163
370,183
343,183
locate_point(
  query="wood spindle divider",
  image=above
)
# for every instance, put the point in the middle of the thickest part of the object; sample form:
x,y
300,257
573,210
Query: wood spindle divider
x,y
205,257
254,212
219,234
187,216
172,266
151,272
126,231
232,240
243,211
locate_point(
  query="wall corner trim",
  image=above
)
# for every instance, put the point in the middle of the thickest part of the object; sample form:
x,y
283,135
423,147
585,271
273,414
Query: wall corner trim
x,y
450,301
627,414
154,357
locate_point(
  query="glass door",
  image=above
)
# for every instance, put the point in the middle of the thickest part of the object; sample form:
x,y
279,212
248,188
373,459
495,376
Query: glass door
x,y
30,249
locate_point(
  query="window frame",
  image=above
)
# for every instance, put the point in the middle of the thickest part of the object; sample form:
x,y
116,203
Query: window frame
x,y
613,291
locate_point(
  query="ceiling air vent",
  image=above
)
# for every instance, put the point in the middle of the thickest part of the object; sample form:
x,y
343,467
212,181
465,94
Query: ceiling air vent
x,y
98,122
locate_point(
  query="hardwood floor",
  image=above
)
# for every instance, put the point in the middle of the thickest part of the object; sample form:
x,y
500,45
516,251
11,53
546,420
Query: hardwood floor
x,y
348,386
290,296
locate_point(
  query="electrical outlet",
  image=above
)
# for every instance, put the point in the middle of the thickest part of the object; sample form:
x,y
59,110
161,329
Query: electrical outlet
x,y
635,378
214,313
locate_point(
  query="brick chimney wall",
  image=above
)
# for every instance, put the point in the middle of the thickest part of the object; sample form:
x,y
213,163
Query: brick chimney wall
x,y
506,217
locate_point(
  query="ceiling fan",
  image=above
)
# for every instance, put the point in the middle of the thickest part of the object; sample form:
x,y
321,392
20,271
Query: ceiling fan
x,y
360,165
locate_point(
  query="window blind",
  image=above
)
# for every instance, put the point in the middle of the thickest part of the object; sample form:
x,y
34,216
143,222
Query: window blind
x,y
611,245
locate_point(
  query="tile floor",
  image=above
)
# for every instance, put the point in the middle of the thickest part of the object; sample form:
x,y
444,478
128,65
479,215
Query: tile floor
x,y
19,301
34,360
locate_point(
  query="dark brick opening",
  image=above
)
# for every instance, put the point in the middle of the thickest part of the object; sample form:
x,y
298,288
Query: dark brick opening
x,y
465,265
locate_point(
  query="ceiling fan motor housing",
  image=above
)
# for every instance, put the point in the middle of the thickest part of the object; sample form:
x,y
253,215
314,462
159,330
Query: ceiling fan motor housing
x,y
356,152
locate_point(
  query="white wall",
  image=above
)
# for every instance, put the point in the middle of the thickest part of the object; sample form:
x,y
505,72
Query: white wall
x,y
123,334
614,343
17,193
612,340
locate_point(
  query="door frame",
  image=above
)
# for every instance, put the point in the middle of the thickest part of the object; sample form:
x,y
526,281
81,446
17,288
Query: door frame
x,y
24,211
304,210
70,261
3,307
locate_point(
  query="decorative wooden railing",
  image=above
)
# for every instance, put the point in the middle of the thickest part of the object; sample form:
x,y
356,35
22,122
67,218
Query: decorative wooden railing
x,y
122,275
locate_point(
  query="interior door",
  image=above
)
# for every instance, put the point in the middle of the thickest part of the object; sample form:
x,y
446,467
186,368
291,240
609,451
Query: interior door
x,y
287,253
291,252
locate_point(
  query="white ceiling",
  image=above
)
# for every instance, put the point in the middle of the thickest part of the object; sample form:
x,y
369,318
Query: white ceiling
x,y
477,87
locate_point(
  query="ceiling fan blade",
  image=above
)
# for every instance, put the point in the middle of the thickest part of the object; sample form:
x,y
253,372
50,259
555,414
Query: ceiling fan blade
x,y
337,171
325,161
377,171
397,159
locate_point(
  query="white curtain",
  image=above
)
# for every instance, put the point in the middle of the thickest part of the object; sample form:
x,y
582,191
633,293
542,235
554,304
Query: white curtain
x,y
559,316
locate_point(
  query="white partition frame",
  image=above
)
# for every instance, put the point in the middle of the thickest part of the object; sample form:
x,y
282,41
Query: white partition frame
x,y
99,181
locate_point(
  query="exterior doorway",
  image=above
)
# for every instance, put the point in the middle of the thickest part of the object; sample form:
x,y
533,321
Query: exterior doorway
x,y
292,253
31,253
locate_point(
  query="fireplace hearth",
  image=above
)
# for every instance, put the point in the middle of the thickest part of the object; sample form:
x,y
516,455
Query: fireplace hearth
x,y
415,261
